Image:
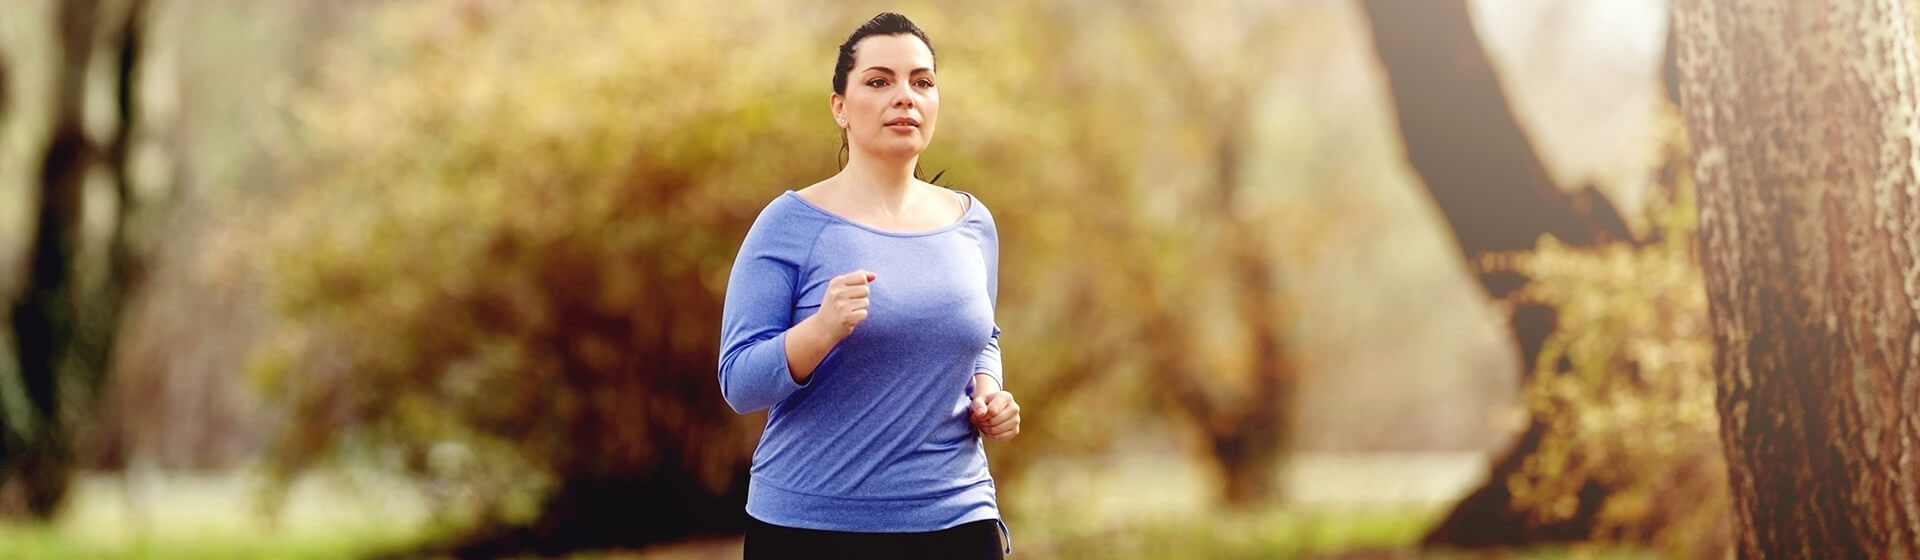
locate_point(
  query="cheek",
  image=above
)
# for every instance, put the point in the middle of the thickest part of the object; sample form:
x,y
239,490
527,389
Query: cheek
x,y
930,107
880,107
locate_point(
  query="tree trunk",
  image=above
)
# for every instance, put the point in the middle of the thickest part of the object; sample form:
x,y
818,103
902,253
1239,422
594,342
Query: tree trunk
x,y
1247,431
1249,435
6,94
47,315
125,267
1802,116
63,333
1496,197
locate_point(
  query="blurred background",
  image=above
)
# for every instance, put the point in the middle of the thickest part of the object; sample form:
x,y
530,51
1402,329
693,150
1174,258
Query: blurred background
x,y
1281,278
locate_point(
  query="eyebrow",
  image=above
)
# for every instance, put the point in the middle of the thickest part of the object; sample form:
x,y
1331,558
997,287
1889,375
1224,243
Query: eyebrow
x,y
890,70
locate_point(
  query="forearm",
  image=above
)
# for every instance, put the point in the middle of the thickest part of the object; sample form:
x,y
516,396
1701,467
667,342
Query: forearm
x,y
984,384
808,344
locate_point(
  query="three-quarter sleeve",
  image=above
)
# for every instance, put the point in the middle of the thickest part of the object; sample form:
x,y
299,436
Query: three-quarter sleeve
x,y
988,362
758,310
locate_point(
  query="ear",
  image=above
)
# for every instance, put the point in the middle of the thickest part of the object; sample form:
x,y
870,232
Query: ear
x,y
838,104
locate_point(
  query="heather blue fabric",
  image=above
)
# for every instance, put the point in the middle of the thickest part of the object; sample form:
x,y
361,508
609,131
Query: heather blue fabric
x,y
878,439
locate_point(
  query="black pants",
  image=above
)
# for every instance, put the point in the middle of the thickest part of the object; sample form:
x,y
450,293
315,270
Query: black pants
x,y
979,540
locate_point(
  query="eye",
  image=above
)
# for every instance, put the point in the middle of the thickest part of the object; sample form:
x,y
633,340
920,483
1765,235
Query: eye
x,y
877,82
924,83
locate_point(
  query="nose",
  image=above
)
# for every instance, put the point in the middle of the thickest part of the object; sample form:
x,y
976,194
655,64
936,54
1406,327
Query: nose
x,y
903,99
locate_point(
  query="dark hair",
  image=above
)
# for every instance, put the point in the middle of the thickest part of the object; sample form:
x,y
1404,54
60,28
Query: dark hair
x,y
887,23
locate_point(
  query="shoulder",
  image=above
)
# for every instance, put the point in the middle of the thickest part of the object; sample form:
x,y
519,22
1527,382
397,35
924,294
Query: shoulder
x,y
810,193
976,209
978,219
788,210
787,224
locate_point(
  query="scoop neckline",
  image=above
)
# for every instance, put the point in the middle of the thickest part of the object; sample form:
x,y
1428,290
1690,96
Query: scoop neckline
x,y
973,203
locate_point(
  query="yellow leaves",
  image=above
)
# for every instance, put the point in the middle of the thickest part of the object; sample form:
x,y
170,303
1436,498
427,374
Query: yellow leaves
x,y
1625,385
511,226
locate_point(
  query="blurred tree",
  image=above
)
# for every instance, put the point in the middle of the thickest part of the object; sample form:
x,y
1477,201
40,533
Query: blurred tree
x,y
502,269
1496,197
43,319
1244,417
1802,113
202,162
1120,311
65,321
6,93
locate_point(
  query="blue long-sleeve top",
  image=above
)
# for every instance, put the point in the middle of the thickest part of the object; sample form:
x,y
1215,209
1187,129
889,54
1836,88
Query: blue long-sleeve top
x,y
878,438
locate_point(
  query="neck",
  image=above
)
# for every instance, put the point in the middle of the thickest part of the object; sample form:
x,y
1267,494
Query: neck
x,y
887,181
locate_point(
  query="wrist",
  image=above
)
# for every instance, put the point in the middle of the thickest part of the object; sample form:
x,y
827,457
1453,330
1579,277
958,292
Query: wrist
x,y
984,383
811,330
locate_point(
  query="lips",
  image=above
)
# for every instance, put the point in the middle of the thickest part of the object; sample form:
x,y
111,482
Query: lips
x,y
904,121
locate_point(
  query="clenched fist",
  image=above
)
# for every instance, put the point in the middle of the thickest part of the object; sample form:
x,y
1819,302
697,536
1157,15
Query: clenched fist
x,y
843,308
994,412
845,304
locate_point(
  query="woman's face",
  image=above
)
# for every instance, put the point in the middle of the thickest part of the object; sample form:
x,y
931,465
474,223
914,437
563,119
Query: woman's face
x,y
891,101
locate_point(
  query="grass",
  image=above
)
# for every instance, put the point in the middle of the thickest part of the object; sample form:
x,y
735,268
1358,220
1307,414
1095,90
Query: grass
x,y
215,517
1137,508
1267,534
1276,533
29,542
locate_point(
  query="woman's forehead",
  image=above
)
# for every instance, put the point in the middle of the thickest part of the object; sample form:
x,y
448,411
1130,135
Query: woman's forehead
x,y
900,53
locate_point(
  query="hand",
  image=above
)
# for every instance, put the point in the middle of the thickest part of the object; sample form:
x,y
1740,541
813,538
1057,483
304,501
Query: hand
x,y
845,305
994,411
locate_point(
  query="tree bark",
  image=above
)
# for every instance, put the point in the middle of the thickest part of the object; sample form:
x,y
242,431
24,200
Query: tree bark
x,y
1802,115
1496,196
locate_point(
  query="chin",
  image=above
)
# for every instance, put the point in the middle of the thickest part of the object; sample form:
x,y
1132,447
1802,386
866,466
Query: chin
x,y
906,150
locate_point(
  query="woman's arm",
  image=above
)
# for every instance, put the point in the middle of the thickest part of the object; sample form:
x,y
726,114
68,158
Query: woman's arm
x,y
843,308
755,320
994,411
